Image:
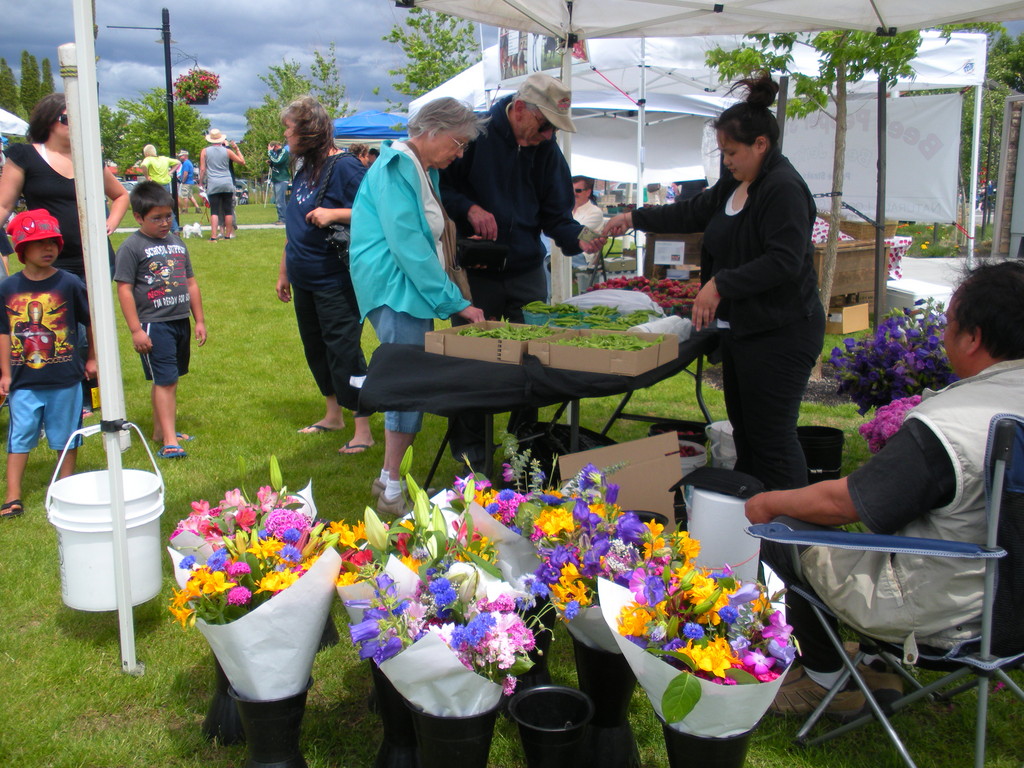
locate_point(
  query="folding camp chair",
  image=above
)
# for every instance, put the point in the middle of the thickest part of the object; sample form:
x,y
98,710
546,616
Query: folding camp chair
x,y
1000,645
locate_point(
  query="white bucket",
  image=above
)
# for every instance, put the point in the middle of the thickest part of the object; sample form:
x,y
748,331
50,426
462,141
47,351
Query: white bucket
x,y
718,522
79,508
699,458
723,448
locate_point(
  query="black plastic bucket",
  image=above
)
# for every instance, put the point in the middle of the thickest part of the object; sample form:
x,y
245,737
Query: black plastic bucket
x,y
823,449
693,431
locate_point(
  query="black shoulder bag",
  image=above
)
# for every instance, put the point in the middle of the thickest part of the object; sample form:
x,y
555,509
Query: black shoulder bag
x,y
338,236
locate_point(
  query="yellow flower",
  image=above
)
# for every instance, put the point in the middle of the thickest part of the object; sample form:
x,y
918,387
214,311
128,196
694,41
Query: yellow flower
x,y
570,587
687,547
554,520
924,246
715,657
275,581
349,536
347,578
656,542
186,616
212,582
411,562
633,619
266,548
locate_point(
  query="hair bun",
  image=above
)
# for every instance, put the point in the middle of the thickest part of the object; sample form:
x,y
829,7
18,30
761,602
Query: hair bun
x,y
761,90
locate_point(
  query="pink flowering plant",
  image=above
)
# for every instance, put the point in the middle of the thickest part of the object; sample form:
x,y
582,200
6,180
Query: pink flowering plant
x,y
887,422
473,613
208,524
197,84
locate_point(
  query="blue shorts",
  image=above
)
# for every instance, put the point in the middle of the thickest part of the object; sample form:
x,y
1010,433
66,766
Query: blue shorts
x,y
168,359
57,411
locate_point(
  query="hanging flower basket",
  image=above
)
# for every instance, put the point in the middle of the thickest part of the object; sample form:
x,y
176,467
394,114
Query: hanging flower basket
x,y
197,86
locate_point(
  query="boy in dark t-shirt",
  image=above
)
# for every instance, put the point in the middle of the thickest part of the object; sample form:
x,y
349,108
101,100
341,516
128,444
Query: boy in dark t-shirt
x,y
40,368
157,292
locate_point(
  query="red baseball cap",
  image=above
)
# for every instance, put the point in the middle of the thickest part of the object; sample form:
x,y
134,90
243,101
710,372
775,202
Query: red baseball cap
x,y
32,225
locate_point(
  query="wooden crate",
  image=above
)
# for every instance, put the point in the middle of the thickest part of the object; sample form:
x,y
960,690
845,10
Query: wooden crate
x,y
861,230
855,268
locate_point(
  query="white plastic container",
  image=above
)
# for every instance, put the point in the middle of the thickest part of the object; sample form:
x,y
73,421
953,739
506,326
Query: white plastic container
x,y
79,508
723,448
718,522
690,463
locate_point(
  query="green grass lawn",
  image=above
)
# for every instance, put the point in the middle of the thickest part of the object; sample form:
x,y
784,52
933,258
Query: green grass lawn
x,y
66,702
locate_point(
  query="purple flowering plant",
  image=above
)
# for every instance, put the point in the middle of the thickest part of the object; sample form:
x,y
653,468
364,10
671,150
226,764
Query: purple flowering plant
x,y
474,614
903,357
887,422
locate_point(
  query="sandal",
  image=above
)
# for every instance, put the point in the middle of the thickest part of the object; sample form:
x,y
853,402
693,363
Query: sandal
x,y
172,452
12,509
352,449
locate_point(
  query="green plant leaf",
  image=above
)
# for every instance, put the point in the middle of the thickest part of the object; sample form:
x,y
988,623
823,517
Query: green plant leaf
x,y
680,697
741,676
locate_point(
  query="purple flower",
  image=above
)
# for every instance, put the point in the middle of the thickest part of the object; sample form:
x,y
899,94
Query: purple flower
x,y
611,493
728,614
290,554
673,645
572,609
217,560
693,631
367,629
630,529
744,594
777,628
548,574
187,563
291,535
387,649
784,653
506,473
443,592
559,556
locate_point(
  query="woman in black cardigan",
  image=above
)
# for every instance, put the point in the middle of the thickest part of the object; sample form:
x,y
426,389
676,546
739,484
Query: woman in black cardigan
x,y
758,283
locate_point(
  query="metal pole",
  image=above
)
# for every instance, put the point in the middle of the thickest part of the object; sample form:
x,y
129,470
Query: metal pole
x,y
78,68
881,261
165,35
972,231
561,265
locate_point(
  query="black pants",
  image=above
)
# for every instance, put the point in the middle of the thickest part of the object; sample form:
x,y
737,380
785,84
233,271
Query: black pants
x,y
764,377
331,337
500,296
817,651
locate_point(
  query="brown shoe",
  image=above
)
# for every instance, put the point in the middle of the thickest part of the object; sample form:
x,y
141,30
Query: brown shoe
x,y
377,488
398,506
886,686
800,695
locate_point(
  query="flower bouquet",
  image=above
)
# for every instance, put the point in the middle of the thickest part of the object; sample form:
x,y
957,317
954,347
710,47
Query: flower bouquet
x,y
262,598
710,652
197,86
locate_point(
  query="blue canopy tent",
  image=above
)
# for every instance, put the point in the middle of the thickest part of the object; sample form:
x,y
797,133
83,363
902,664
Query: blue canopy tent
x,y
371,125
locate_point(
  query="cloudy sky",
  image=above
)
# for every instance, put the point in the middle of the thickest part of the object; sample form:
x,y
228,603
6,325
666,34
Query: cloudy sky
x,y
238,39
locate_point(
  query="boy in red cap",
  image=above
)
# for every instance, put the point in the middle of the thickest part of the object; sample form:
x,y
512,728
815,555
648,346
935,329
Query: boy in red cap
x,y
40,369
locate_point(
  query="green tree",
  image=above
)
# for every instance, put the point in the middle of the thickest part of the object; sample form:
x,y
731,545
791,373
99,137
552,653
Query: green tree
x,y
113,128
45,79
145,122
843,57
437,47
1006,61
286,82
29,89
8,89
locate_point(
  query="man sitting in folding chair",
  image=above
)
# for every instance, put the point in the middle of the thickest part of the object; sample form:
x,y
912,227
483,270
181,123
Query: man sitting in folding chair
x,y
928,482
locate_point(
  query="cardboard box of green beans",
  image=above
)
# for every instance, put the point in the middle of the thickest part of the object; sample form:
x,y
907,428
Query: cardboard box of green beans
x,y
596,351
491,340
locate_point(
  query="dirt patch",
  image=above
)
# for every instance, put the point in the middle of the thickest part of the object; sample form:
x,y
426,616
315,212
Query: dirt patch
x,y
821,391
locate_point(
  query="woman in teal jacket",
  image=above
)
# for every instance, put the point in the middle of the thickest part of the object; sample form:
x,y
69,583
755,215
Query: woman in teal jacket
x,y
396,257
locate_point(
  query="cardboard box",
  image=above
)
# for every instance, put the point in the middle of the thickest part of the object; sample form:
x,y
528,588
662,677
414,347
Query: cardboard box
x,y
620,264
690,244
620,362
847,319
448,342
651,468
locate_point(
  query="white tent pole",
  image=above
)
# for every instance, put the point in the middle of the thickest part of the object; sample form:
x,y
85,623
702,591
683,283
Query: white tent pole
x,y
78,69
561,265
975,152
641,125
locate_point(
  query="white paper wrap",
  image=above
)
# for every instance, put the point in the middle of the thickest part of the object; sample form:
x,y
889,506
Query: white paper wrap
x,y
517,555
406,581
430,676
268,653
181,575
589,628
723,710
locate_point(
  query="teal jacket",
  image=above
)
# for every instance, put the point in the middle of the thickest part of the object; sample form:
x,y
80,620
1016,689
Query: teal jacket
x,y
393,257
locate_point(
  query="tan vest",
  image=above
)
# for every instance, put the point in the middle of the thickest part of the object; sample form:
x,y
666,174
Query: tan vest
x,y
908,598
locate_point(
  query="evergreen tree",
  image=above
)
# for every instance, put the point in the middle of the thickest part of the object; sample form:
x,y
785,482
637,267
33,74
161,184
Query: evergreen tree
x,y
8,89
46,79
437,47
29,89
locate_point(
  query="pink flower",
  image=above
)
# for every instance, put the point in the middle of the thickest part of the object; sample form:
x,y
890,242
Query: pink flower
x,y
506,473
239,596
233,499
757,663
777,628
245,517
201,507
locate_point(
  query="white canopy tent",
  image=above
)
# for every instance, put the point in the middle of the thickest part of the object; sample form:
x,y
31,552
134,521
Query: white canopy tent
x,y
570,20
12,124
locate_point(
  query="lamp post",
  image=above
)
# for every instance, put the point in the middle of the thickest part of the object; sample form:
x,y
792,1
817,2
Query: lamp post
x,y
165,37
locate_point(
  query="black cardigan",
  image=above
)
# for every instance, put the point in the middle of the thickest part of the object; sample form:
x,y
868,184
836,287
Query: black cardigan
x,y
769,279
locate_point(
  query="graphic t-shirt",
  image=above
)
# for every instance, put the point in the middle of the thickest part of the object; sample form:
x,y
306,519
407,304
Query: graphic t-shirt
x,y
159,271
42,318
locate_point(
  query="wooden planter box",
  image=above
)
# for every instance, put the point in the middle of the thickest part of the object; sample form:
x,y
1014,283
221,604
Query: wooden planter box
x,y
855,268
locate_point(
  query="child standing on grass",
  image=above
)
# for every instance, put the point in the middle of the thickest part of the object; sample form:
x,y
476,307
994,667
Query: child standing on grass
x,y
157,292
40,368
